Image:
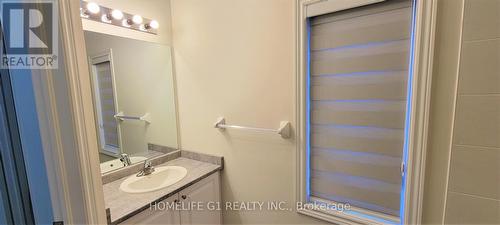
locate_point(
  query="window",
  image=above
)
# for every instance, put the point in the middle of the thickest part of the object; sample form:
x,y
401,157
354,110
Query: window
x,y
105,101
359,67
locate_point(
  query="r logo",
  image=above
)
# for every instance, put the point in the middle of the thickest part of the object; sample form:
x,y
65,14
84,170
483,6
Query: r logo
x,y
30,32
28,27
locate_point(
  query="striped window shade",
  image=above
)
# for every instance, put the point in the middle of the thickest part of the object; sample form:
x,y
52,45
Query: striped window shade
x,y
359,70
105,98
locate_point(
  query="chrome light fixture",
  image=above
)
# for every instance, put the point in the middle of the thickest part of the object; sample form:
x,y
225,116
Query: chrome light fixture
x,y
93,11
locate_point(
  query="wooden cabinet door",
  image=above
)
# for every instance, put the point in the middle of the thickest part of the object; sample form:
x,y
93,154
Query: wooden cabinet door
x,y
206,191
161,214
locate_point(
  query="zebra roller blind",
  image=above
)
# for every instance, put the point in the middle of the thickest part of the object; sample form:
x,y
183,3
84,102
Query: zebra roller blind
x,y
359,70
105,99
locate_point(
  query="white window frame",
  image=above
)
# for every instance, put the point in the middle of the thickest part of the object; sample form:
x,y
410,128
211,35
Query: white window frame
x,y
105,56
424,31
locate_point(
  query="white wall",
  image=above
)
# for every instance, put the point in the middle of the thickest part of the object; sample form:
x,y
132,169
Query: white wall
x,y
236,59
151,9
144,84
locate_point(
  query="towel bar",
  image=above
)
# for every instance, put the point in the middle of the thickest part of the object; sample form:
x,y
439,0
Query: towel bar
x,y
283,130
146,118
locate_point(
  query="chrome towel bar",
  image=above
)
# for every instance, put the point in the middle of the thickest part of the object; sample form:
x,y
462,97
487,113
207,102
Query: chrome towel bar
x,y
283,130
120,116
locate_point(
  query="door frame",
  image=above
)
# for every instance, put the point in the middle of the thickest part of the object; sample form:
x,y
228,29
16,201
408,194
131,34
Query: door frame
x,y
423,52
83,139
61,178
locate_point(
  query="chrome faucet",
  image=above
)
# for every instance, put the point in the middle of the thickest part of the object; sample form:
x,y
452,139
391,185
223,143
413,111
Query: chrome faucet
x,y
125,159
148,168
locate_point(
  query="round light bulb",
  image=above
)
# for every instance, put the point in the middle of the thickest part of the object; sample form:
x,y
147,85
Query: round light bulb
x,y
93,7
117,14
105,18
137,19
154,24
125,23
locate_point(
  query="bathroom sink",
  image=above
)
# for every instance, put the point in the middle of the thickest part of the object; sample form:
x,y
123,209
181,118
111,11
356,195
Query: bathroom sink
x,y
116,163
162,177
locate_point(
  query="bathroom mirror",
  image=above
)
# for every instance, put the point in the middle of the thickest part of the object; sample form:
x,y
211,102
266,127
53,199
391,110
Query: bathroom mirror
x,y
133,95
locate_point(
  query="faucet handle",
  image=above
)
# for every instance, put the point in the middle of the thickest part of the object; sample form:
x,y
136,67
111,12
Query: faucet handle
x,y
148,168
147,163
125,159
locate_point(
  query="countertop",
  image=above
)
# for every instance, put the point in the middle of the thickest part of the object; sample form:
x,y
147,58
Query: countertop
x,y
124,205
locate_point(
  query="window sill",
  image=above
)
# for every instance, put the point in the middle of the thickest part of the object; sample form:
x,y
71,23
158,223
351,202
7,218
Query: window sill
x,y
114,152
350,217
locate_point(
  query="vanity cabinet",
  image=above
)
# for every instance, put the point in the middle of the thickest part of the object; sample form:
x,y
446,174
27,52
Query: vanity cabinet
x,y
205,192
157,216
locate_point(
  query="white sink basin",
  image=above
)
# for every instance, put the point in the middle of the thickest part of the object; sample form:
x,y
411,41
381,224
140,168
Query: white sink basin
x,y
162,177
116,163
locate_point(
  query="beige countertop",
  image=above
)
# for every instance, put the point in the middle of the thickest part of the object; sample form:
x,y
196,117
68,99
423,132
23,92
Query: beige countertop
x,y
124,205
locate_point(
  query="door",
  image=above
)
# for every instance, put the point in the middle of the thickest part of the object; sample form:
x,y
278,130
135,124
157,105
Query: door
x,y
15,205
206,191
24,186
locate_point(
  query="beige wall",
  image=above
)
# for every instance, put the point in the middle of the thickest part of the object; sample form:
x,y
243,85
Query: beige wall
x,y
151,9
144,84
474,179
236,59
463,163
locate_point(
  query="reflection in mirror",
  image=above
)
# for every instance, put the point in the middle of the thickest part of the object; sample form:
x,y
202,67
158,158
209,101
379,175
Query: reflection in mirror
x,y
133,94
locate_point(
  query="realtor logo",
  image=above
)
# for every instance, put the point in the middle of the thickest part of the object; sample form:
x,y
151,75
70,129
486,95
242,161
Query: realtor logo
x,y
30,32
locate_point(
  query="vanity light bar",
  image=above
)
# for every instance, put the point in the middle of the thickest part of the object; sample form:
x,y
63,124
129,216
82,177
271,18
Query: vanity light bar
x,y
95,12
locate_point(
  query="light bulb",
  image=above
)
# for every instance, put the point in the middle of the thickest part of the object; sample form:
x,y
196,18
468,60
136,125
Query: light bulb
x,y
125,23
154,24
105,18
137,19
117,14
93,8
